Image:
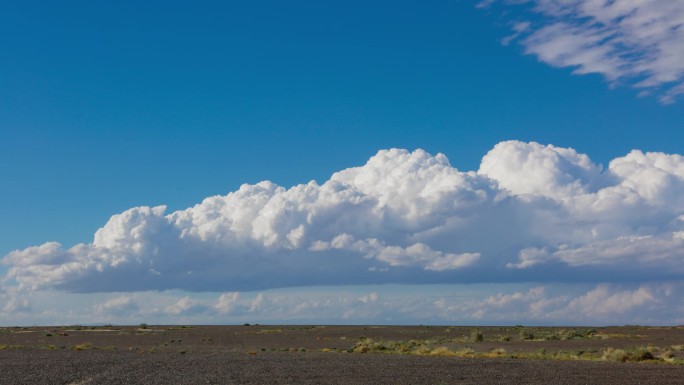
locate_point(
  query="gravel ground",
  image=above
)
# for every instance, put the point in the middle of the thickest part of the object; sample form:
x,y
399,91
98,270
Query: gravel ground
x,y
29,366
292,355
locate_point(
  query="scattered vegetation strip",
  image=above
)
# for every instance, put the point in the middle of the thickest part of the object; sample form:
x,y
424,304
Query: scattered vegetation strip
x,y
650,354
84,346
520,333
268,331
6,347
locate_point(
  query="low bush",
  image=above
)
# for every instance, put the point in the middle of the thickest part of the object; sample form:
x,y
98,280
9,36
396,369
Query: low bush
x,y
622,355
476,336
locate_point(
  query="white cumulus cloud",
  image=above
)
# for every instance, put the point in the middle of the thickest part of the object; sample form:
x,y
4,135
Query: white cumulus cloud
x,y
531,212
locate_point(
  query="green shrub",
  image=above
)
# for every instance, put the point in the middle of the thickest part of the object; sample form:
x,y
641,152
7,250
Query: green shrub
x,y
621,355
526,335
476,336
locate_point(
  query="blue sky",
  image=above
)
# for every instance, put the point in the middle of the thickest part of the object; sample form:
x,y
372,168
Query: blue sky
x,y
106,107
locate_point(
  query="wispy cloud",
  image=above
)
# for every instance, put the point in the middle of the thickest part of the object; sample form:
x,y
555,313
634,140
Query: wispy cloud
x,y
602,304
635,42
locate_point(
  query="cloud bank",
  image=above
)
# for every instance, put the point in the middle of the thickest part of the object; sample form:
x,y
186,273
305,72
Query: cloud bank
x,y
531,213
635,42
549,304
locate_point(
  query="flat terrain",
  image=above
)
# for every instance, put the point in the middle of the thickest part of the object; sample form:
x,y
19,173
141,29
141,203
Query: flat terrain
x,y
341,354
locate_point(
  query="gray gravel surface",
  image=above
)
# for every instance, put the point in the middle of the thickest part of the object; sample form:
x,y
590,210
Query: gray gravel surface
x,y
33,366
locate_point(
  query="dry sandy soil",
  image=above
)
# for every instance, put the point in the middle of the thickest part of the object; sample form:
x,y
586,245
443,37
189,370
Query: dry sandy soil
x,y
341,354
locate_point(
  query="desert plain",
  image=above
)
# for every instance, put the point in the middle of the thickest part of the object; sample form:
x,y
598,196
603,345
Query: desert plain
x,y
309,354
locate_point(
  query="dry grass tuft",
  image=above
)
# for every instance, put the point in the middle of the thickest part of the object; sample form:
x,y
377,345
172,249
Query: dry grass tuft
x,y
621,355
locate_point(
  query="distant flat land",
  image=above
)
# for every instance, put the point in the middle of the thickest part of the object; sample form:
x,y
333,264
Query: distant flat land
x,y
258,354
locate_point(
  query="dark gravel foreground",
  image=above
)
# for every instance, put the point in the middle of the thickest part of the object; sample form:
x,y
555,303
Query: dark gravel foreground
x,y
48,367
306,354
